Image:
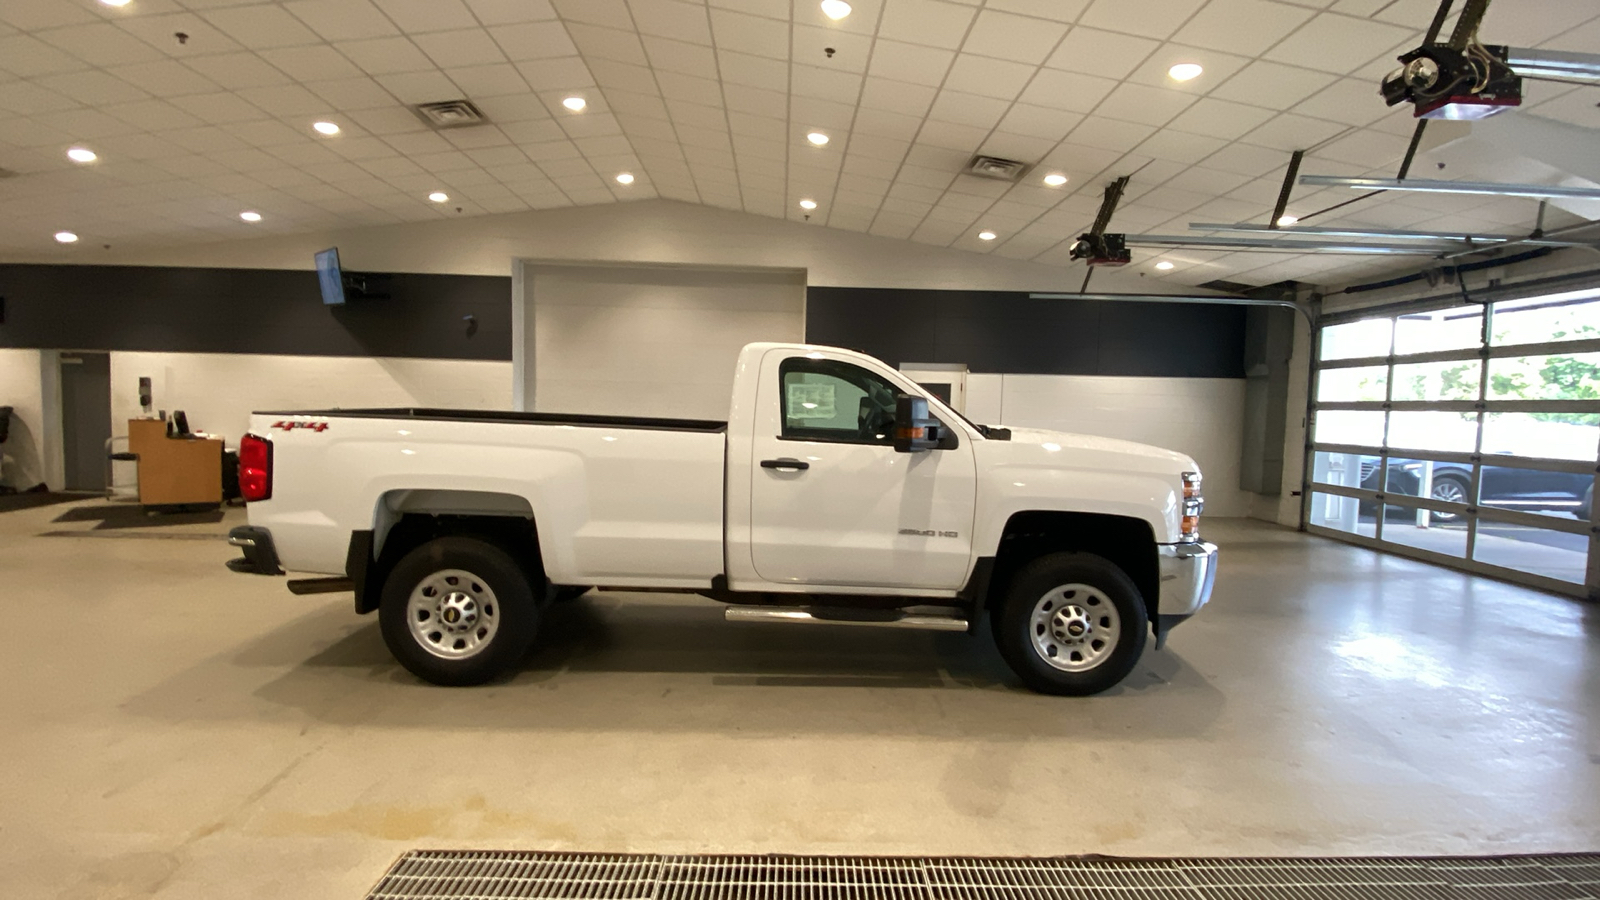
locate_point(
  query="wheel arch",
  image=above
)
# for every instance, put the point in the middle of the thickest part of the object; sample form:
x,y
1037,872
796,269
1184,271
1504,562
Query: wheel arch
x,y
1126,541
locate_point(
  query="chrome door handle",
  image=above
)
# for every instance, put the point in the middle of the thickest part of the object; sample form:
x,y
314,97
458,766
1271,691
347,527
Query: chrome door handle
x,y
797,465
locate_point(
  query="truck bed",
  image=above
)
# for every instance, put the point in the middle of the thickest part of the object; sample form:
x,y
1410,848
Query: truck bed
x,y
508,417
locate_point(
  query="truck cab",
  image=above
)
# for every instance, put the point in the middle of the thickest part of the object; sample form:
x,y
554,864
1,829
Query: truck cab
x,y
836,492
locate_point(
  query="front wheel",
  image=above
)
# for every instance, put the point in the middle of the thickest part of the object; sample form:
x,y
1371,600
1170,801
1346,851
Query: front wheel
x,y
1072,623
457,611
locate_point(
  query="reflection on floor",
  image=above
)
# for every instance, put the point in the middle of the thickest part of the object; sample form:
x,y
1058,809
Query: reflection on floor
x,y
177,730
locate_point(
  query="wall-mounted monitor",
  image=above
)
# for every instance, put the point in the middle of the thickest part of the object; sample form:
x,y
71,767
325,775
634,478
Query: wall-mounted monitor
x,y
330,277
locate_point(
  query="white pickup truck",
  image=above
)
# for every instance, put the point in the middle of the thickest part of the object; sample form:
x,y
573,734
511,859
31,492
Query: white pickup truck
x,y
838,492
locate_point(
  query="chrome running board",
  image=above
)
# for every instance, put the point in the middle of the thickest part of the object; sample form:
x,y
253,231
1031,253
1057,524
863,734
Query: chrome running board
x,y
811,615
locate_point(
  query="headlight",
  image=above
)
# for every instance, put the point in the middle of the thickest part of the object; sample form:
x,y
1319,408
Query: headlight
x,y
1193,505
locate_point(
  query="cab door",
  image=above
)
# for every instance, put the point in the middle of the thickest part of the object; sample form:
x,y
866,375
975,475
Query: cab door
x,y
833,503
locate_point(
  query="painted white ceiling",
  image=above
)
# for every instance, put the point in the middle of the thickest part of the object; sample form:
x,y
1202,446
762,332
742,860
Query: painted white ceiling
x,y
709,101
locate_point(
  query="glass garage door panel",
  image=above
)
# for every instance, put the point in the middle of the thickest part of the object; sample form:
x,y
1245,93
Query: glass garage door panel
x,y
1346,514
1561,495
1542,435
1355,470
1537,551
1452,432
1355,340
1447,482
1456,380
1424,529
1350,426
1539,320
1445,329
1349,385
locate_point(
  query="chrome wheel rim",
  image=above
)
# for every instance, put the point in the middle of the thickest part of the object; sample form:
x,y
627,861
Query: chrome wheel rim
x,y
453,614
1448,492
1074,627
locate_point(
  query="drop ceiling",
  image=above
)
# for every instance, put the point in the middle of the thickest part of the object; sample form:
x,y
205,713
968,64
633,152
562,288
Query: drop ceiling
x,y
712,102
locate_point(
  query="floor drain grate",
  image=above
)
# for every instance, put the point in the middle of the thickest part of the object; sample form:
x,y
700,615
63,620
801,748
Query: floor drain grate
x,y
490,875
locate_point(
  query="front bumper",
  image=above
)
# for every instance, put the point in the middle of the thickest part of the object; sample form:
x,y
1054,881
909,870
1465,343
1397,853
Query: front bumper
x,y
1188,571
260,556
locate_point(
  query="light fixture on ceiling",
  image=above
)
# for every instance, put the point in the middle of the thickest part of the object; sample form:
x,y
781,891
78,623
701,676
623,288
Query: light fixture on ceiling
x,y
985,235
835,9
250,215
625,178
1163,265
439,197
115,2
66,237
808,204
576,104
817,138
1285,220
1055,179
327,128
1185,72
81,155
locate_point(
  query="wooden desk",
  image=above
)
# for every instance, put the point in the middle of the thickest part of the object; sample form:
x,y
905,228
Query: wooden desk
x,y
175,470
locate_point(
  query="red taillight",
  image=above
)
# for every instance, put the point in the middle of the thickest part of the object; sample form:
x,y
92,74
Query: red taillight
x,y
255,468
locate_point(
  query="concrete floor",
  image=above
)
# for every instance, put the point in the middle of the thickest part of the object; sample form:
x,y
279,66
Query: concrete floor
x,y
175,730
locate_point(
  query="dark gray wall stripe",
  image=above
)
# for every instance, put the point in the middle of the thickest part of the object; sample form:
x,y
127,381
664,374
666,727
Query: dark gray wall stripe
x,y
997,331
186,310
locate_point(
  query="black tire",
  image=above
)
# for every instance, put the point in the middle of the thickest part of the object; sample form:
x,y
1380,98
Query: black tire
x,y
1461,485
493,586
1017,628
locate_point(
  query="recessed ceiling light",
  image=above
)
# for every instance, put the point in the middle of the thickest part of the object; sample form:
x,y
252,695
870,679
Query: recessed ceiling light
x,y
1163,265
1285,220
1055,179
835,9
66,237
1185,71
81,154
625,178
327,128
808,204
817,137
576,104
985,235
115,2
438,196
250,215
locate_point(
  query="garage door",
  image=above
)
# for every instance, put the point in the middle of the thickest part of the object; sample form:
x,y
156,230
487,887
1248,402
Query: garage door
x,y
1466,435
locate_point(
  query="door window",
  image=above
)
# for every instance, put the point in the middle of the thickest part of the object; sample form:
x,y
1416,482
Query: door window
x,y
829,400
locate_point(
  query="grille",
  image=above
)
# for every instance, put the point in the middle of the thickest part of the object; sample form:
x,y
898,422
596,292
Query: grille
x,y
1367,468
489,875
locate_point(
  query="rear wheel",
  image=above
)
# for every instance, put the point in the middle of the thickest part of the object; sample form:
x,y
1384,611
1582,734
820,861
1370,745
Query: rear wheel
x,y
457,611
1072,623
1449,489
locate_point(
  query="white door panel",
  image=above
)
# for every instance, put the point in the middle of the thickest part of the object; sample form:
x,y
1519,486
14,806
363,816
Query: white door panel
x,y
859,513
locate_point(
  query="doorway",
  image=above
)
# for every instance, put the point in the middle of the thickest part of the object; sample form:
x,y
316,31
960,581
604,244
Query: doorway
x,y
85,419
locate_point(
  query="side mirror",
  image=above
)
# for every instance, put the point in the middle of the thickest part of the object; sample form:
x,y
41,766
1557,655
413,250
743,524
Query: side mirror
x,y
914,429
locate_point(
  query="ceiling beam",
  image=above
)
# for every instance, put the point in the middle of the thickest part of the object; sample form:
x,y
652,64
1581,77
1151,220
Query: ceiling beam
x,y
1385,234
1292,246
1427,185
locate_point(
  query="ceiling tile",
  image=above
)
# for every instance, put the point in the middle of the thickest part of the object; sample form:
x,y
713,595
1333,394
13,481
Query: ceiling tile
x,y
318,62
101,44
286,100
93,88
932,23
1071,91
466,47
351,93
418,87
1155,18
680,56
673,19
1335,43
556,74
531,40
165,78
1246,27
1245,159
811,45
1110,134
36,14
416,16
967,109
1140,103
238,70
909,62
1007,36
750,34
1099,52
342,20
988,77
219,108
1039,121
1290,132
1272,85
1218,68
1220,118
595,42
505,12
810,81
260,27
1346,100
27,56
482,82
384,56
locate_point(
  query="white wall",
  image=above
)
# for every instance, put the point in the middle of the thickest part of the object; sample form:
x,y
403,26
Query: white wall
x,y
218,391
20,387
648,340
648,231
1202,417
